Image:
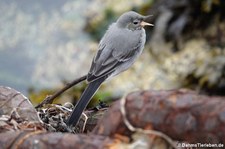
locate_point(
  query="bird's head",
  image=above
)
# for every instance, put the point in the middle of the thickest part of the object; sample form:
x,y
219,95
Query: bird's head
x,y
133,21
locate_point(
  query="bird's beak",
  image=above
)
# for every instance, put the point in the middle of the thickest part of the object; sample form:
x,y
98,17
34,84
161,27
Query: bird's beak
x,y
145,23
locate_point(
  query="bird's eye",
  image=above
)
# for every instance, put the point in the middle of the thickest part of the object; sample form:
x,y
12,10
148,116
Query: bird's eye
x,y
135,22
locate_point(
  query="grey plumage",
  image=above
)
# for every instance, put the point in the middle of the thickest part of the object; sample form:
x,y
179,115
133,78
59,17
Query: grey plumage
x,y
84,100
122,43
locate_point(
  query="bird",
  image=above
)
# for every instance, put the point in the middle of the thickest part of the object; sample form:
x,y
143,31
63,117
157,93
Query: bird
x,y
118,49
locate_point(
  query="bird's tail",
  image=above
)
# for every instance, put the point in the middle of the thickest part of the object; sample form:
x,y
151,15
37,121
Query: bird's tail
x,y
83,101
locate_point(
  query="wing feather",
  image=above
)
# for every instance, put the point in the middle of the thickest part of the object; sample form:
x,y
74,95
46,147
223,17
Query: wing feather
x,y
114,51
102,67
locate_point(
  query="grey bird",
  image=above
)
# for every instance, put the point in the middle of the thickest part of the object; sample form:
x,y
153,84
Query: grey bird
x,y
118,49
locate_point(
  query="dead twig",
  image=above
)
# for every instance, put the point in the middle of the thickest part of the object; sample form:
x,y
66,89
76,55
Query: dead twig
x,y
49,99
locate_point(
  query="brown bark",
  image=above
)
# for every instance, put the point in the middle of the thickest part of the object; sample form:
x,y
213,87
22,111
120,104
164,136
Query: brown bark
x,y
182,115
44,140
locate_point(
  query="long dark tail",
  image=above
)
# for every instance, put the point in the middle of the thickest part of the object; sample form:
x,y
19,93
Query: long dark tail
x,y
84,100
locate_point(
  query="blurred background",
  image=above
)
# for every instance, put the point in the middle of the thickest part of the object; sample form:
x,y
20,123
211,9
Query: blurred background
x,y
45,44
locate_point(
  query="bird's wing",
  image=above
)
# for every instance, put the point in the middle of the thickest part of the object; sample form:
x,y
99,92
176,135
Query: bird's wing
x,y
105,63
